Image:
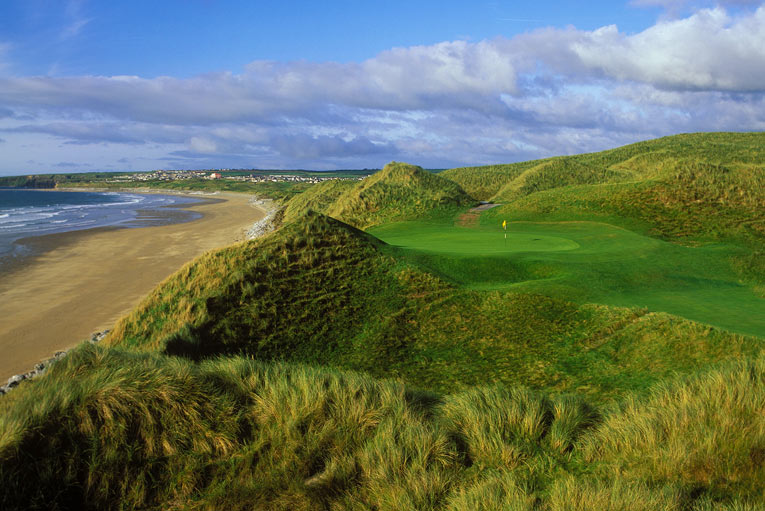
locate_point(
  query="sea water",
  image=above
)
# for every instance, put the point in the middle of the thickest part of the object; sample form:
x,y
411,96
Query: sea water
x,y
25,213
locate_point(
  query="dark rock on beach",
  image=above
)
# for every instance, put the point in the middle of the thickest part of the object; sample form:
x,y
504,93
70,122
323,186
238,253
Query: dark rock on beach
x,y
41,367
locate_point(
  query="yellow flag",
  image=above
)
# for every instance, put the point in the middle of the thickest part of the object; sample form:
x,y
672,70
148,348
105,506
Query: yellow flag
x,y
504,224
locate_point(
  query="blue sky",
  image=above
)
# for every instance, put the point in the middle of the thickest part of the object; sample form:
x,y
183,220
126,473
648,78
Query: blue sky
x,y
96,85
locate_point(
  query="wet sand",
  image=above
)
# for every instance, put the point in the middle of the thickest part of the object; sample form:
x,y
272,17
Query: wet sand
x,y
82,282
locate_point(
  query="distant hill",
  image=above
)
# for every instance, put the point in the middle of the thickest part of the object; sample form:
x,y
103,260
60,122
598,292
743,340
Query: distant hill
x,y
398,192
635,162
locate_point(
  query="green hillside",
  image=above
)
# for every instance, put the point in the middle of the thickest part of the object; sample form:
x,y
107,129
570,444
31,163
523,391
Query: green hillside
x,y
635,162
305,293
319,197
605,352
693,202
484,182
398,192
320,291
696,190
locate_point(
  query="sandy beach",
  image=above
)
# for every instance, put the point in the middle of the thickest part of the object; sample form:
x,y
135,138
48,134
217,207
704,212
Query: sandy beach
x,y
83,281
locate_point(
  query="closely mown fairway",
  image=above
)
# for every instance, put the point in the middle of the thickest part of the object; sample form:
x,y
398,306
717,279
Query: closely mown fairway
x,y
589,262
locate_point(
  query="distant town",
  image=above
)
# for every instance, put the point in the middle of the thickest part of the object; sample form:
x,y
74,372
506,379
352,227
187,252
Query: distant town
x,y
234,175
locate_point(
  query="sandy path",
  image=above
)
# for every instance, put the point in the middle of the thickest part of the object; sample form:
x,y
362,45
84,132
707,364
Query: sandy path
x,y
89,279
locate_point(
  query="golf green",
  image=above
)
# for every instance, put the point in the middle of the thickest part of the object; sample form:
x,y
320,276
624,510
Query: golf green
x,y
588,262
448,239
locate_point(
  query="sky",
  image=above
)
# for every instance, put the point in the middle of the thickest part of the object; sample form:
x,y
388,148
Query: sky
x,y
94,85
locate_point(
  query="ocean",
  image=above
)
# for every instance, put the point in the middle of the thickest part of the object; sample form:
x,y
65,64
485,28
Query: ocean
x,y
25,213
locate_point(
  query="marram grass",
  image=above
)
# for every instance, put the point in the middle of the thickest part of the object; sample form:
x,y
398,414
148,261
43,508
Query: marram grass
x,y
398,192
643,161
107,429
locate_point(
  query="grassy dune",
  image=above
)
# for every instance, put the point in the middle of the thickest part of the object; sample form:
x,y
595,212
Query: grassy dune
x,y
695,203
607,356
635,162
319,197
106,429
320,291
696,190
398,192
306,292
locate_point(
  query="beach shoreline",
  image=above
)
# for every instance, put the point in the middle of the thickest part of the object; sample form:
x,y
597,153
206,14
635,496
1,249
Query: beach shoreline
x,y
80,282
32,245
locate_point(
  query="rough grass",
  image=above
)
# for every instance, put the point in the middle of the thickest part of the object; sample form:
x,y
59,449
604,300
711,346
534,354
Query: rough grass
x,y
106,429
695,202
708,432
635,162
396,193
304,293
319,197
484,182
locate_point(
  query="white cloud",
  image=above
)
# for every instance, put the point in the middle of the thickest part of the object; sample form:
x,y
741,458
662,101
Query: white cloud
x,y
674,5
202,145
74,28
547,92
706,51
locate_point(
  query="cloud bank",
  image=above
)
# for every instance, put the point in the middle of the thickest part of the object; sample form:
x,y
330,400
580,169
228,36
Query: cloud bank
x,y
551,91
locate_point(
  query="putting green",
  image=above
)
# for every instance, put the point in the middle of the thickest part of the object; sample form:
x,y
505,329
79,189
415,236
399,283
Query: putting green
x,y
448,239
588,262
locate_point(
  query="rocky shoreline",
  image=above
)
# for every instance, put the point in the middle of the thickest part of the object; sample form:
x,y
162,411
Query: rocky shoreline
x,y
268,223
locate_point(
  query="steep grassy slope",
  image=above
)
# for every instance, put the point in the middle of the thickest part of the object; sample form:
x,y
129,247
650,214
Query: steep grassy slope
x,y
105,429
305,292
694,202
320,291
484,182
398,192
635,162
319,197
